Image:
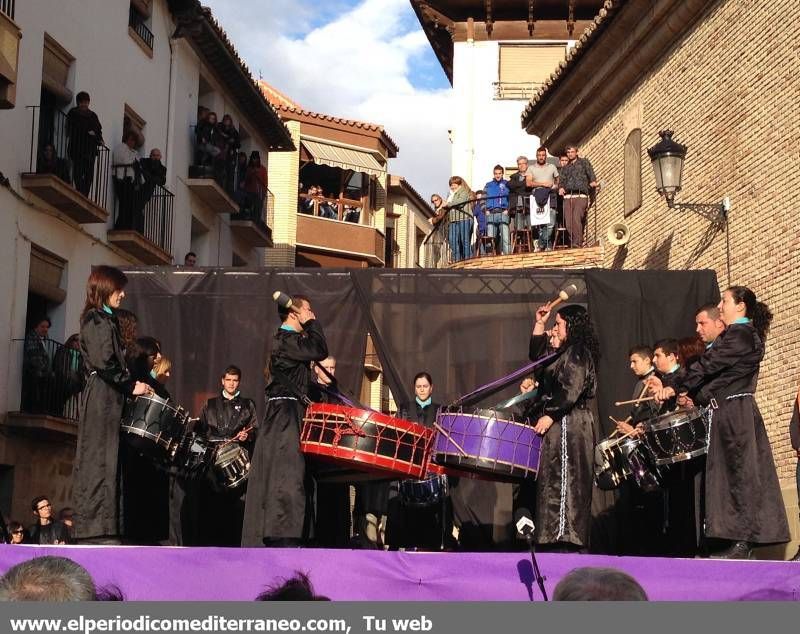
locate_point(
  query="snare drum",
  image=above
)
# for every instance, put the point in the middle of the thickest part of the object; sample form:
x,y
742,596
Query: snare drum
x,y
231,465
193,457
677,436
481,442
154,426
617,459
428,492
357,440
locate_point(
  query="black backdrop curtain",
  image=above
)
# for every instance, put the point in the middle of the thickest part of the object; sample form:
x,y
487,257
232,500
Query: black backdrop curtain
x,y
207,319
464,327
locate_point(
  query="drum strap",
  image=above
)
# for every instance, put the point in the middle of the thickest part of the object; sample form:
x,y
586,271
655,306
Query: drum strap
x,y
562,505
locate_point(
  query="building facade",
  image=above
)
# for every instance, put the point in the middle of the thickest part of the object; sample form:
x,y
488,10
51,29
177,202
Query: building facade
x,y
149,66
695,68
496,54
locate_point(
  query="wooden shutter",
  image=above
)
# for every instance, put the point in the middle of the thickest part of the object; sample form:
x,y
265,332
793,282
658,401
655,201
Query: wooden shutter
x,y
45,275
529,64
56,63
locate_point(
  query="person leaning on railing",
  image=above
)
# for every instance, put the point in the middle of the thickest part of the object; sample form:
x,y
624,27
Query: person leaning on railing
x,y
48,162
85,135
255,186
37,373
127,183
461,218
154,172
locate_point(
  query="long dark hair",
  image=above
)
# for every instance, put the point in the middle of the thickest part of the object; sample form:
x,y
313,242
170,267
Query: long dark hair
x,y
128,325
690,349
580,332
758,311
103,281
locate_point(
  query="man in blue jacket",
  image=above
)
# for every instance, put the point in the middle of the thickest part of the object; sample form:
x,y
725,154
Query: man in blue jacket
x,y
497,209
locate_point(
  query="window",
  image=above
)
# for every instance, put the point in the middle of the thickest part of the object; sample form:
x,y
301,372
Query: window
x,y
523,68
633,171
139,20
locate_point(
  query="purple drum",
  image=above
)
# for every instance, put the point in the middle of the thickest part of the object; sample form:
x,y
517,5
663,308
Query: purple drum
x,y
483,443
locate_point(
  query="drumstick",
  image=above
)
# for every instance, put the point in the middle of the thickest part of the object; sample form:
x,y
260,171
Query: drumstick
x,y
441,430
233,438
563,295
635,401
617,422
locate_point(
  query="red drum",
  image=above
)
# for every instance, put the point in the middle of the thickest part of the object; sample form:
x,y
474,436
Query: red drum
x,y
360,441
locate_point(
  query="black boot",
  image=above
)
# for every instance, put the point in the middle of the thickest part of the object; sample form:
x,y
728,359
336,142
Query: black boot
x,y
737,550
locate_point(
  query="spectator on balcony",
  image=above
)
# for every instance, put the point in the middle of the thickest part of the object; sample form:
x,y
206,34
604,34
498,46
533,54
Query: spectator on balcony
x,y
577,182
519,201
48,162
563,161
190,259
241,174
306,205
352,214
47,530
459,210
207,143
325,207
37,371
543,178
497,211
479,210
16,533
128,183
229,144
69,379
255,186
85,135
154,173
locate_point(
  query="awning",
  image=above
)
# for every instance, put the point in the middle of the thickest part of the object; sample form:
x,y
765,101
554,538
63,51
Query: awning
x,y
346,158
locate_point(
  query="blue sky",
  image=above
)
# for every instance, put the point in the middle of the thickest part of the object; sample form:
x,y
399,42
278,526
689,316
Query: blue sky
x,y
361,59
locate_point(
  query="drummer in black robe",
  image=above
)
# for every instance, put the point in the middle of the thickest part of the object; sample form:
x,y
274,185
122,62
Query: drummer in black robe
x,y
566,389
742,497
279,507
227,418
411,526
96,482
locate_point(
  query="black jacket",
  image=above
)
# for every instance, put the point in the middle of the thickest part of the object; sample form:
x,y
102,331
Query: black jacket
x,y
53,533
222,417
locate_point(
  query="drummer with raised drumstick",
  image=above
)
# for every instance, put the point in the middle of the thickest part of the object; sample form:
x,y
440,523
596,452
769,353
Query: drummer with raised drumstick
x,y
279,509
567,388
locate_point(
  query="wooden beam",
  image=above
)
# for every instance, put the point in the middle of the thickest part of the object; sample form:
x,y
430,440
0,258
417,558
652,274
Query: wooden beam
x,y
518,30
489,24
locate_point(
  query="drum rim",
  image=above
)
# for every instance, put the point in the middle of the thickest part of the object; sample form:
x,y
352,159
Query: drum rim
x,y
674,419
165,402
682,457
155,438
485,418
369,416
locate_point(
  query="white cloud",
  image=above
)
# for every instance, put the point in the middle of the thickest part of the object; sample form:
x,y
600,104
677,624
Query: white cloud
x,y
357,65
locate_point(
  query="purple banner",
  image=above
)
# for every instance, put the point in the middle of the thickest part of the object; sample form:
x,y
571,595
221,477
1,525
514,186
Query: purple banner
x,y
234,574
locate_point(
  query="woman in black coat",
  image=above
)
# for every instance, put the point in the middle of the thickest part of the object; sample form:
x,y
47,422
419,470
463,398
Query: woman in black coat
x,y
743,503
564,418
95,476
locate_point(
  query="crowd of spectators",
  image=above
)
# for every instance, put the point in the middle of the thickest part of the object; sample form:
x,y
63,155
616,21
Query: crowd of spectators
x,y
48,527
314,202
520,213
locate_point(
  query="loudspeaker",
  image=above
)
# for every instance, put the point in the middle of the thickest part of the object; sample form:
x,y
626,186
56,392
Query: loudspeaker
x,y
618,234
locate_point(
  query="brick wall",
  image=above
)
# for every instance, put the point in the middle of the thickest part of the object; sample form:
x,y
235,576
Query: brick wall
x,y
729,91
284,175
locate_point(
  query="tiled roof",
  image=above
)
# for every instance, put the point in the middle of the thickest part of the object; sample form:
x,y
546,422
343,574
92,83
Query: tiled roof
x,y
282,103
591,33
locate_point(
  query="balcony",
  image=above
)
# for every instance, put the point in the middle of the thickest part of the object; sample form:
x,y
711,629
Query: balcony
x,y
70,172
347,239
142,216
139,31
249,224
10,35
210,188
521,91
52,380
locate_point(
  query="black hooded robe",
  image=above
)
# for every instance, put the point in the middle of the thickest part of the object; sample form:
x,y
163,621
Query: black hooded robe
x,y
742,494
564,481
280,495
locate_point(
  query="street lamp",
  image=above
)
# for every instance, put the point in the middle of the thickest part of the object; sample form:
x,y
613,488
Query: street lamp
x,y
667,157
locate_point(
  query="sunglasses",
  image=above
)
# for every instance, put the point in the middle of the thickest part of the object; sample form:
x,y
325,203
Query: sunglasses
x,y
19,532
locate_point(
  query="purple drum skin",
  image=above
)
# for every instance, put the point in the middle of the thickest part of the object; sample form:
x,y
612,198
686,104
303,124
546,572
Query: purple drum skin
x,y
503,448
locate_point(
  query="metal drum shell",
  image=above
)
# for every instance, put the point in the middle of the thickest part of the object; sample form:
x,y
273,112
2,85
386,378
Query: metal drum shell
x,y
154,426
677,436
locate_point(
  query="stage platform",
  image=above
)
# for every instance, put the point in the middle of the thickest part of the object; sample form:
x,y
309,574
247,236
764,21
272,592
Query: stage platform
x,y
220,574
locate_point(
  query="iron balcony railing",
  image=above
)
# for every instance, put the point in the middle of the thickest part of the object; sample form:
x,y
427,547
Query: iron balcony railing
x,y
142,204
254,206
52,377
62,146
136,22
515,90
7,7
